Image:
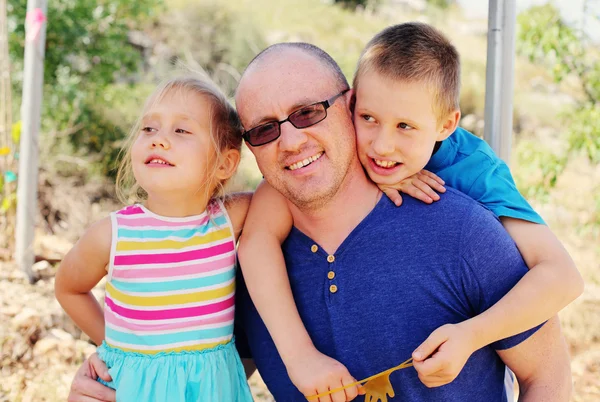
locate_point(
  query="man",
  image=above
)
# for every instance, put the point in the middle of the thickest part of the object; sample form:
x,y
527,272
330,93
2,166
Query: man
x,y
398,273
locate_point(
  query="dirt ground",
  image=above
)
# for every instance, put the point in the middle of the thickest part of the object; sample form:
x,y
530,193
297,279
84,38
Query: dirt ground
x,y
40,348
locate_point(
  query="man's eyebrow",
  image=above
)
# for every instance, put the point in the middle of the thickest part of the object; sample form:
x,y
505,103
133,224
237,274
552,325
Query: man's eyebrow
x,y
298,105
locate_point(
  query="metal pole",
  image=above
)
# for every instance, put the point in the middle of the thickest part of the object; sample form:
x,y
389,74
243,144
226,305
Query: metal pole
x,y
33,78
500,76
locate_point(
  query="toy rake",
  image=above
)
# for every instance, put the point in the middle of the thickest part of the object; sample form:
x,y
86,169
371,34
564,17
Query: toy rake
x,y
378,387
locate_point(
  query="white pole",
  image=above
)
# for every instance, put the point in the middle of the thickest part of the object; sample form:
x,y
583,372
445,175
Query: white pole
x,y
33,78
500,76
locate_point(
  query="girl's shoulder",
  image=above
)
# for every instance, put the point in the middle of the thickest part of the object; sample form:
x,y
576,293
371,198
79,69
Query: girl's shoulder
x,y
237,205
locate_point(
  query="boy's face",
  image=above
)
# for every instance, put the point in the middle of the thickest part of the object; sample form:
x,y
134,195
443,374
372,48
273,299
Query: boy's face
x,y
396,127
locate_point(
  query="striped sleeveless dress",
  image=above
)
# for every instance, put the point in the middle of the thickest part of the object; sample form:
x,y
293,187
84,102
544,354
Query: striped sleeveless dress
x,y
169,308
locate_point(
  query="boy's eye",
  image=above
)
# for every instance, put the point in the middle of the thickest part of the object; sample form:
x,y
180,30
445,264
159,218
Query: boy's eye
x,y
148,129
367,117
182,131
405,126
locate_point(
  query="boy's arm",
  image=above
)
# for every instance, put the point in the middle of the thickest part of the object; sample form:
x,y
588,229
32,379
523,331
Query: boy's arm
x,y
81,270
267,225
536,297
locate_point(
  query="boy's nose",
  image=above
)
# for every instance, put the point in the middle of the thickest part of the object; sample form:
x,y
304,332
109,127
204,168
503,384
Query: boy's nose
x,y
292,139
383,145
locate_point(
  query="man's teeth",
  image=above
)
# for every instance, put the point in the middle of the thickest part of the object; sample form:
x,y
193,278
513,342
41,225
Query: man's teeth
x,y
385,164
159,161
305,162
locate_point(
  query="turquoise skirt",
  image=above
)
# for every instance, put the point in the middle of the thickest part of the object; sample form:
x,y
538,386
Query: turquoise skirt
x,y
211,375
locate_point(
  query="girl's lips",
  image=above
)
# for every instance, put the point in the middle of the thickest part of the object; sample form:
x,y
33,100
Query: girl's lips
x,y
375,168
156,160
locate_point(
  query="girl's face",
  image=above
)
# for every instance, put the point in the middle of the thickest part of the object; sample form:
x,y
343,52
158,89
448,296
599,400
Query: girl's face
x,y
173,153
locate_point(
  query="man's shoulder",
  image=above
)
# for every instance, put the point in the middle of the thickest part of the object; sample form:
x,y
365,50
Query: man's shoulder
x,y
452,203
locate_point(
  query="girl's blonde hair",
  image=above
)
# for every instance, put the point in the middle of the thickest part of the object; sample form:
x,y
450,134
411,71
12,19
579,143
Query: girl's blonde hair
x,y
225,132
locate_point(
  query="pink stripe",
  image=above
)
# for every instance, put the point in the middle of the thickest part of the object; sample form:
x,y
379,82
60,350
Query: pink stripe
x,y
169,314
131,210
149,221
174,271
115,320
141,259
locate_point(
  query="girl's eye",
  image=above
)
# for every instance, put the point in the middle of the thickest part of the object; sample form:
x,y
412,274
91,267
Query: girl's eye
x,y
148,129
367,117
182,131
405,126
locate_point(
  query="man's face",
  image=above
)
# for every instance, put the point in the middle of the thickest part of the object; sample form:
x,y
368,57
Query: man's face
x,y
307,165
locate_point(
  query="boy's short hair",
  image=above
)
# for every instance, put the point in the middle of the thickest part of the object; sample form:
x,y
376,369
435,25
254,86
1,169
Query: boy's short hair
x,y
411,52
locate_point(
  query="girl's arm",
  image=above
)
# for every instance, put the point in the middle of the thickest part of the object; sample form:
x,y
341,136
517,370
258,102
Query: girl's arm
x,y
81,269
267,225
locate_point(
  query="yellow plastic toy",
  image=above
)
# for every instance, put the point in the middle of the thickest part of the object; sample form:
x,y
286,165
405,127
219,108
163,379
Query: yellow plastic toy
x,y
378,387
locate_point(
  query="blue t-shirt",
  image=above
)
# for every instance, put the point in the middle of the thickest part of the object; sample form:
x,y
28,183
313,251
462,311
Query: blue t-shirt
x,y
467,163
400,274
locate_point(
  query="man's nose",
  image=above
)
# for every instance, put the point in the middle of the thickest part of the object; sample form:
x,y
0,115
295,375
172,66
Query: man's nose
x,y
292,138
160,140
383,144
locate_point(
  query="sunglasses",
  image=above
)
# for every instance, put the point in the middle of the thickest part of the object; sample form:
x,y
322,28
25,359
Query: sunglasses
x,y
301,118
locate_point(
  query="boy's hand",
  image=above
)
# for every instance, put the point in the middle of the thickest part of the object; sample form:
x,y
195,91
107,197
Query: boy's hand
x,y
313,373
442,356
422,186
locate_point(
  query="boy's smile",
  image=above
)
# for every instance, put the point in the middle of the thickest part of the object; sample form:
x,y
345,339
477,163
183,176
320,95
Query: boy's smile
x,y
396,126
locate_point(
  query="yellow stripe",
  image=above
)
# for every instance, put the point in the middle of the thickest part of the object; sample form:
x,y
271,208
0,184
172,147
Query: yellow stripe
x,y
149,301
173,244
179,349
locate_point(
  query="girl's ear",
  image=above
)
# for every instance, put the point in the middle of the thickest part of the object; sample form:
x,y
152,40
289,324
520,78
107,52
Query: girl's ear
x,y
230,159
449,124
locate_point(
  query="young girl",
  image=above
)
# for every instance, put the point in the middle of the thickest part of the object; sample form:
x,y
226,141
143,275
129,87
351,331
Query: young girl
x,y
166,333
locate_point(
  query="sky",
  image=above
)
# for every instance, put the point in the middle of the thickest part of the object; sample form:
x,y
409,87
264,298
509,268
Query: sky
x,y
571,10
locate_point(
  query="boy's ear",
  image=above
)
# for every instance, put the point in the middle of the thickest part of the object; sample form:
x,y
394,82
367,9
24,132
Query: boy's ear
x,y
449,124
230,159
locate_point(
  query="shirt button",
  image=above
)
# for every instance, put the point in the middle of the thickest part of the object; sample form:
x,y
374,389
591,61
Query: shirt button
x,y
314,248
330,258
333,289
331,274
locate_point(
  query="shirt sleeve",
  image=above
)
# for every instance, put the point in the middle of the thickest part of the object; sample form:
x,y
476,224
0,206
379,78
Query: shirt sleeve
x,y
496,189
492,266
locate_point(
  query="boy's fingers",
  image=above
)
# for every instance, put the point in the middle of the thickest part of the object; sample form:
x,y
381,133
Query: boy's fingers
x,y
433,176
393,195
430,345
432,183
351,392
428,367
429,193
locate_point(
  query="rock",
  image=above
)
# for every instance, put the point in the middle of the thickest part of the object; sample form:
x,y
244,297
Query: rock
x,y
43,268
61,335
46,345
27,318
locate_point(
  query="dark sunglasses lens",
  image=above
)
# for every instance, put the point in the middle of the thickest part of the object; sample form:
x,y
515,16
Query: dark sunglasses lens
x,y
263,134
308,116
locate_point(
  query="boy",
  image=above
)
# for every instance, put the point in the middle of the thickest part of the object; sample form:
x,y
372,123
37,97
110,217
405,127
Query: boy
x,y
406,110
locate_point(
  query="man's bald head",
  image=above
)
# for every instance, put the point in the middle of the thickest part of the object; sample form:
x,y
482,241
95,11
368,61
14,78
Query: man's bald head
x,y
319,54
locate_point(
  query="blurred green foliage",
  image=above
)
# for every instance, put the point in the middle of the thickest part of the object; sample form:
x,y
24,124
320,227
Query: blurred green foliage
x,y
545,39
87,50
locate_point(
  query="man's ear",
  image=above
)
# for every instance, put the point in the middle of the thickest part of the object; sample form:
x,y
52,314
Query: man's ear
x,y
230,159
351,100
449,124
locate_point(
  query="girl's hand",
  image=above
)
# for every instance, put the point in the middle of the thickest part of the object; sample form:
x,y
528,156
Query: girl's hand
x,y
313,373
422,186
